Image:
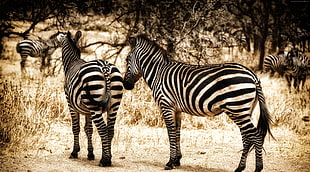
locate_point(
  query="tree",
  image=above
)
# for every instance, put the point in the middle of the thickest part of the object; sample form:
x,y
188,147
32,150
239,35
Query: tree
x,y
187,28
255,15
63,12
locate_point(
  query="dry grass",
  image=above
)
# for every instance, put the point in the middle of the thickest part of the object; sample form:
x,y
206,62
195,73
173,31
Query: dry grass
x,y
30,106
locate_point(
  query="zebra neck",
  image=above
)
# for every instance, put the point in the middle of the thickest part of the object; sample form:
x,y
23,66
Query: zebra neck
x,y
152,71
73,66
70,58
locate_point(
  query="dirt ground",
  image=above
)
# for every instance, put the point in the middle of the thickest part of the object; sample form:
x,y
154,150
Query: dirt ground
x,y
142,148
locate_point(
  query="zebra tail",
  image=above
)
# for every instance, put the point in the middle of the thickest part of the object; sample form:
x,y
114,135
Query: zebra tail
x,y
264,121
104,103
18,48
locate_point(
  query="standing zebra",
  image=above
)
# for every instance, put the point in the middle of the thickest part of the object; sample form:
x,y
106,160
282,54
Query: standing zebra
x,y
275,64
202,91
298,68
92,88
37,48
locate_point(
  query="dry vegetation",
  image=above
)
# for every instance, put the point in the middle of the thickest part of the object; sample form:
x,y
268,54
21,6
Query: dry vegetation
x,y
34,116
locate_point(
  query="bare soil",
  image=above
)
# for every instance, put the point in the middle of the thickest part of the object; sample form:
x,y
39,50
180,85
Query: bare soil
x,y
141,148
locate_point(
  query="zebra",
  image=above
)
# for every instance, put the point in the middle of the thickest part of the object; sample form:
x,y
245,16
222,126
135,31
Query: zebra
x,y
37,48
92,88
297,70
275,64
199,90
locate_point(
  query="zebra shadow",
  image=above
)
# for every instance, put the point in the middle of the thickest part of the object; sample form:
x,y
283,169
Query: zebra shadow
x,y
159,166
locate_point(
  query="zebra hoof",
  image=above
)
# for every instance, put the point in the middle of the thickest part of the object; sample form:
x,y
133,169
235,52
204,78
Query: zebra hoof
x,y
168,168
73,156
239,169
258,169
91,156
105,163
169,165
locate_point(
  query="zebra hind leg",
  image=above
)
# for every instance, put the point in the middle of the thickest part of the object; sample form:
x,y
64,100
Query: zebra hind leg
x,y
22,63
76,131
98,120
247,144
89,132
250,137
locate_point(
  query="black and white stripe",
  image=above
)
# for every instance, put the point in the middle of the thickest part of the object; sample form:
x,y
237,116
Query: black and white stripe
x,y
298,69
199,90
275,64
92,88
37,48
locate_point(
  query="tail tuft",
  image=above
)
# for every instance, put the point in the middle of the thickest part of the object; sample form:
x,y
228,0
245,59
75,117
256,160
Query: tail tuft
x,y
264,121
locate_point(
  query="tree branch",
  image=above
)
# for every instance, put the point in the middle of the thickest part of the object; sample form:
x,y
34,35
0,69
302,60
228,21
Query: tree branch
x,y
104,43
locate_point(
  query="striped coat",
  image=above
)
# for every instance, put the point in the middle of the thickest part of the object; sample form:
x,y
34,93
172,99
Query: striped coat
x,y
37,48
92,88
199,90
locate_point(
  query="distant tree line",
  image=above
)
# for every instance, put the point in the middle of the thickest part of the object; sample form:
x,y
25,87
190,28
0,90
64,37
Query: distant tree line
x,y
178,23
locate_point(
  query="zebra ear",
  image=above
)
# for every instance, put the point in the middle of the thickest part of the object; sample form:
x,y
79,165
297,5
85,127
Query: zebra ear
x,y
77,36
69,34
132,41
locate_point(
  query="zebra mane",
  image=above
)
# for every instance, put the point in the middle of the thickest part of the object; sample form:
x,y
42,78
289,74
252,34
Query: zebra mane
x,y
55,35
73,44
143,38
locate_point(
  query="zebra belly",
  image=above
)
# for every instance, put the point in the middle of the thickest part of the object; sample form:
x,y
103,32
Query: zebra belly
x,y
236,98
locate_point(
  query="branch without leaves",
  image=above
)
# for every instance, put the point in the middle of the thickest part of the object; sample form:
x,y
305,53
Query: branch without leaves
x,y
104,43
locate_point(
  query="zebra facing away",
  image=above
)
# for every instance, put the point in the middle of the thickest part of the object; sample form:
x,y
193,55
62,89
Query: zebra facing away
x,y
199,90
92,88
37,48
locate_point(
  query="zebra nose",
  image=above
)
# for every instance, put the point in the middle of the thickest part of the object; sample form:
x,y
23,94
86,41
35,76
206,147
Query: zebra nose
x,y
128,85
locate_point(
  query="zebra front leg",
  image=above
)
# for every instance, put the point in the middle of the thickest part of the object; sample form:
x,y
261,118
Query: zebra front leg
x,y
178,138
75,117
42,64
172,134
98,120
289,80
89,132
302,79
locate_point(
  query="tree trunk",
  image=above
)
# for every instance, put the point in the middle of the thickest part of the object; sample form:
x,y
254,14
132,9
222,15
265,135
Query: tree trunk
x,y
262,53
256,42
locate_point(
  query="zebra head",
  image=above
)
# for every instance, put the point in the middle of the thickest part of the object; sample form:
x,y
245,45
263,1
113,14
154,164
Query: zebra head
x,y
61,36
133,72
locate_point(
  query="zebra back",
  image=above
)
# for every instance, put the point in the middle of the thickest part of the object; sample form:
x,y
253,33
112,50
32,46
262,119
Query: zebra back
x,y
275,63
34,48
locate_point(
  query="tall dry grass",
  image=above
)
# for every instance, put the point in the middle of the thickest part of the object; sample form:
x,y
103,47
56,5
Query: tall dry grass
x,y
28,108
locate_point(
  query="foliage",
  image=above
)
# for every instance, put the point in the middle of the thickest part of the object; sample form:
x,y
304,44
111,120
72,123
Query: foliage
x,y
180,25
